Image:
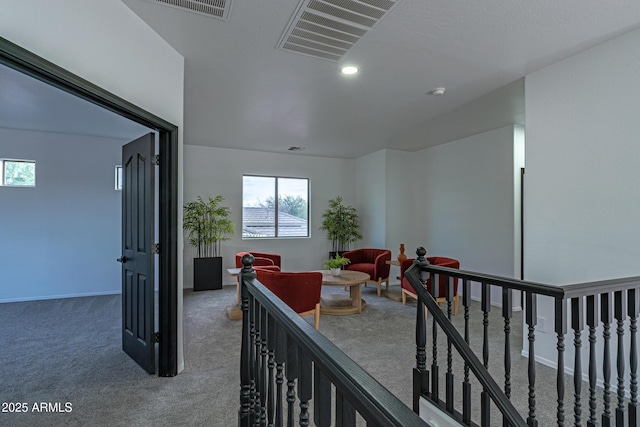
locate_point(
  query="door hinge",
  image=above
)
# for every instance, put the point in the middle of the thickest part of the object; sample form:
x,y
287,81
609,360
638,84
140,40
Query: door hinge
x,y
155,248
155,159
156,337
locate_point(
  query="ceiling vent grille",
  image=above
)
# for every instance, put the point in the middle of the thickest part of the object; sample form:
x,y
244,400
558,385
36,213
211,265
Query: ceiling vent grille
x,y
213,8
327,29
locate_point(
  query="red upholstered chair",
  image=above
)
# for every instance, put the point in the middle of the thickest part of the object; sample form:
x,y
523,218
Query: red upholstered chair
x,y
300,291
407,289
262,261
371,261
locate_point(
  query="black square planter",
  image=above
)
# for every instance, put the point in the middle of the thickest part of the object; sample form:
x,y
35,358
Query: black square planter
x,y
207,274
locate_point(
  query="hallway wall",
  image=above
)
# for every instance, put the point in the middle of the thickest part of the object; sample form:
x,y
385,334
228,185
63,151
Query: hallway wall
x,y
59,238
467,206
583,168
212,171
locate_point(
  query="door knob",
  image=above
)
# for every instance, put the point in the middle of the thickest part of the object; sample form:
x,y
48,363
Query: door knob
x,y
122,259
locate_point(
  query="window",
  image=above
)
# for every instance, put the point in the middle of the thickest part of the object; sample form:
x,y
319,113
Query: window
x,y
119,177
19,173
275,206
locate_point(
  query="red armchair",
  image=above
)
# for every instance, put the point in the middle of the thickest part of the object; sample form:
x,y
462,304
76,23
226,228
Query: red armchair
x,y
262,261
371,261
407,289
300,291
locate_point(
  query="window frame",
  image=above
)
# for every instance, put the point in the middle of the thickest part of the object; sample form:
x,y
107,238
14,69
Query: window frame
x,y
3,177
276,212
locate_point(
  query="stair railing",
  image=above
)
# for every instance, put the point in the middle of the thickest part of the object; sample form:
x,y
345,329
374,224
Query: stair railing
x,y
577,305
285,361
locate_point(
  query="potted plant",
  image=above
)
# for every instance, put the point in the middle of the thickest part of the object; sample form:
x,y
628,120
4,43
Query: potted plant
x,y
342,225
208,224
335,264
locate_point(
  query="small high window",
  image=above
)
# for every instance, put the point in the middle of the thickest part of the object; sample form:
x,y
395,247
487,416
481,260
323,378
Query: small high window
x,y
18,173
118,177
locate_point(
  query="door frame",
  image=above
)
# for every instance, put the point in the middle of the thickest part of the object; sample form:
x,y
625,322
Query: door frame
x,y
35,66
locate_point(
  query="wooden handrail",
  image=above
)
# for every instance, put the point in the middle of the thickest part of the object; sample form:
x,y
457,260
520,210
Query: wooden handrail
x,y
486,380
600,287
554,291
520,285
612,302
372,400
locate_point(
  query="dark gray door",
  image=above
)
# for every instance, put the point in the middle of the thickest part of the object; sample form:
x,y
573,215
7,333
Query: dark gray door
x,y
137,259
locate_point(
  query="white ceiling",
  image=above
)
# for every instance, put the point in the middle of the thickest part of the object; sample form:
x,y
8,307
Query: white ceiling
x,y
28,103
242,92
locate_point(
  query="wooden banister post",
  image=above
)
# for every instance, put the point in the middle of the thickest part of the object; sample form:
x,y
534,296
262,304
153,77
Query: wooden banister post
x,y
560,326
245,413
420,372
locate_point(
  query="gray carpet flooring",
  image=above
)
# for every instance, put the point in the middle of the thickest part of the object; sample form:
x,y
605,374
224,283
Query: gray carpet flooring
x,y
67,354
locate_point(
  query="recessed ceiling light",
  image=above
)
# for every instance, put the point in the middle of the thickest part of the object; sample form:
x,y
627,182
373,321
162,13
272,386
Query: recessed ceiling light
x,y
349,70
437,91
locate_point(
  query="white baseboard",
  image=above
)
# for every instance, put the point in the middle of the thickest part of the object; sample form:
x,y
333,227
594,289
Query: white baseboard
x,y
585,375
48,297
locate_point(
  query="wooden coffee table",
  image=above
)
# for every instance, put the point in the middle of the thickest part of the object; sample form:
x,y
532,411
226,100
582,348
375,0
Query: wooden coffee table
x,y
338,305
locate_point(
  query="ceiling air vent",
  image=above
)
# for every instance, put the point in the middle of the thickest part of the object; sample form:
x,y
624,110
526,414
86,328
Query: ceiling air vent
x,y
216,8
327,29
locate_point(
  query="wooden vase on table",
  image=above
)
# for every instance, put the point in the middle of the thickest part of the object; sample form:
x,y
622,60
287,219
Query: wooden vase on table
x,y
402,256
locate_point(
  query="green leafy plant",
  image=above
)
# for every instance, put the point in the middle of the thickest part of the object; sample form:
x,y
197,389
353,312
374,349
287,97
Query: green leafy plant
x,y
208,224
296,206
342,224
336,262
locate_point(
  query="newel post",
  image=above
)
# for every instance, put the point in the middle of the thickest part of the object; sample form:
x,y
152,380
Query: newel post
x,y
246,413
420,372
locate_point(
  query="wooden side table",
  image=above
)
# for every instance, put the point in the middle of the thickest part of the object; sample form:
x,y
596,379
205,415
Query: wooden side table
x,y
393,294
235,312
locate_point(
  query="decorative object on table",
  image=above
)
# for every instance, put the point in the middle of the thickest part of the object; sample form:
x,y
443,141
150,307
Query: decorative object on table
x,y
342,225
208,224
335,264
402,256
373,262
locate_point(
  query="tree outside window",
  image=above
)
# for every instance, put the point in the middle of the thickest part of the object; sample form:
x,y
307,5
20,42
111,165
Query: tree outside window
x,y
19,173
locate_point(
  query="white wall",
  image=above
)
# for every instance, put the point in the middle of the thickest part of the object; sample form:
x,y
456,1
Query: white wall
x,y
61,238
582,206
212,171
399,203
384,180
466,210
371,199
104,42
